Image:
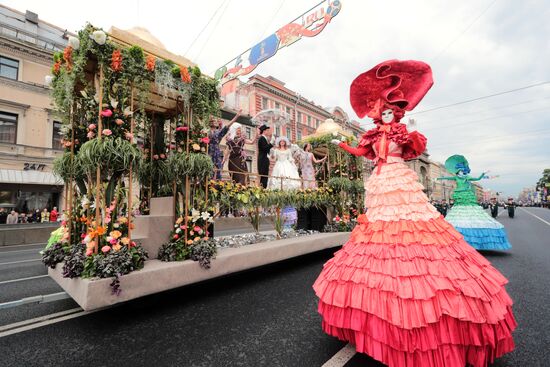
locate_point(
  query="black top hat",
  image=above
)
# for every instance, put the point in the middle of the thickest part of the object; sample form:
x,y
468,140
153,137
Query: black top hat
x,y
263,128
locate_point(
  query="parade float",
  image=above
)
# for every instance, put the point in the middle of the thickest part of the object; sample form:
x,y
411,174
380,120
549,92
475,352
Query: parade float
x,y
134,124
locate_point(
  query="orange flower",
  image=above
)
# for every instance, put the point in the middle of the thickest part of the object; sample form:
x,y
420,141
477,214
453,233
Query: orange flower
x,y
68,57
101,230
125,241
115,234
185,77
56,67
150,63
189,242
116,61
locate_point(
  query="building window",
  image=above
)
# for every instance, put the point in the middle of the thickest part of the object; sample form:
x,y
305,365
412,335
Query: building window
x,y
56,136
277,105
299,118
309,121
9,68
288,110
248,133
318,123
277,131
8,128
288,133
264,103
299,135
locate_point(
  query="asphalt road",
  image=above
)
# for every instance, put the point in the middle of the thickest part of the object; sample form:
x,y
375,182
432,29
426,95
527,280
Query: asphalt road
x,y
263,317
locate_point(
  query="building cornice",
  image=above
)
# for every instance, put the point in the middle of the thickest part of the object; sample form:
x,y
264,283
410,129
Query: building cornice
x,y
26,51
24,85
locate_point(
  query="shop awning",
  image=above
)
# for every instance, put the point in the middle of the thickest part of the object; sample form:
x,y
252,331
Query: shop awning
x,y
29,177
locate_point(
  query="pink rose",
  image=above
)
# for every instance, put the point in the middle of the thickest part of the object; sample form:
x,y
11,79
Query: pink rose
x,y
113,241
155,156
183,227
107,132
92,127
105,249
89,252
176,236
83,235
132,244
119,122
205,140
90,135
162,156
128,135
106,113
182,128
172,146
197,228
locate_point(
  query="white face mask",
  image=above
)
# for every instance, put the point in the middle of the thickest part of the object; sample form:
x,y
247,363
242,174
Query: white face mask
x,y
387,116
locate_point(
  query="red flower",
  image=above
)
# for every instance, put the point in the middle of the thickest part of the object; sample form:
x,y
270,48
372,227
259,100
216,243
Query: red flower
x,y
106,113
56,67
116,60
155,156
68,57
205,140
176,236
150,63
182,128
185,77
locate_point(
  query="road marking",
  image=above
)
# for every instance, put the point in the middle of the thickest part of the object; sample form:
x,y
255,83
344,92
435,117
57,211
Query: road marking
x,y
22,279
340,358
20,261
536,216
44,298
38,319
17,251
45,323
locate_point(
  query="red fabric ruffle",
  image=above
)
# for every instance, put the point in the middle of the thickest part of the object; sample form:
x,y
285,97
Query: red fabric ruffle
x,y
413,143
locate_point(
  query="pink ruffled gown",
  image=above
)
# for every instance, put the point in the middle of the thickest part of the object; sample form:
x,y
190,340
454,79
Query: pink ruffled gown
x,y
406,288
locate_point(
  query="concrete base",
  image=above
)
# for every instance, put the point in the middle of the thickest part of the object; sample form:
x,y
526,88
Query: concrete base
x,y
24,234
158,276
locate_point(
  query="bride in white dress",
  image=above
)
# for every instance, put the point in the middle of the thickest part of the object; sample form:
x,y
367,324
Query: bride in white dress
x,y
285,173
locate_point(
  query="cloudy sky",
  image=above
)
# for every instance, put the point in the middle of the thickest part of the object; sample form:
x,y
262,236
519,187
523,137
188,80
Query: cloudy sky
x,y
476,48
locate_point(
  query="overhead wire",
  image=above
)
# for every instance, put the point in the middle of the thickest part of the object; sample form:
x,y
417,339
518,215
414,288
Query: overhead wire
x,y
480,98
491,138
204,28
463,31
213,29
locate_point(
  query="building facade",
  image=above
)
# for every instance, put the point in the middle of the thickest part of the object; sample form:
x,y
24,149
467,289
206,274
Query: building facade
x,y
304,116
29,130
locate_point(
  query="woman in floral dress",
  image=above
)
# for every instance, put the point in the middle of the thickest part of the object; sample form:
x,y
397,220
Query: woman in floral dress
x,y
307,159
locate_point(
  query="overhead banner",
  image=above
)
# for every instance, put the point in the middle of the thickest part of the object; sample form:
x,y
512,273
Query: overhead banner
x,y
312,23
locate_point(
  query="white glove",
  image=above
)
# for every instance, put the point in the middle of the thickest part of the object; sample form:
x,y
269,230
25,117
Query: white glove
x,y
335,141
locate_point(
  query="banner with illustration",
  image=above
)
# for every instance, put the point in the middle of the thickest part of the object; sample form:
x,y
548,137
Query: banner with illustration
x,y
312,23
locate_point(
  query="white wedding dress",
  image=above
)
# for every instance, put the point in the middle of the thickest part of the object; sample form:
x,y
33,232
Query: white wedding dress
x,y
285,173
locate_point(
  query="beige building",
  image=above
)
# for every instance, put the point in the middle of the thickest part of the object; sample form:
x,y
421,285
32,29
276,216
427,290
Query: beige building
x,y
441,189
29,130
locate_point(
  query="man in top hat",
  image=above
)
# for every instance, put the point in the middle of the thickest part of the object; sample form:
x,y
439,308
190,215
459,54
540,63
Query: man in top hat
x,y
264,146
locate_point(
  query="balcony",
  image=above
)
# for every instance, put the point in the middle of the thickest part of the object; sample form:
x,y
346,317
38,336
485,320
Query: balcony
x,y
20,150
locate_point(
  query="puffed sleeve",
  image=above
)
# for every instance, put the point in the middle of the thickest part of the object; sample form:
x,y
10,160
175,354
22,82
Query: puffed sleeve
x,y
414,146
359,151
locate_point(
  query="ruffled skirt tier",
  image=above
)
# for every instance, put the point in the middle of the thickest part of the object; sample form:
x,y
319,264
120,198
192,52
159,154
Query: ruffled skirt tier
x,y
407,290
479,229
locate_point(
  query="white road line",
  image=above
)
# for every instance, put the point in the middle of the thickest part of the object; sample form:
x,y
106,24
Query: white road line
x,y
20,261
38,319
18,251
45,323
536,216
340,358
22,279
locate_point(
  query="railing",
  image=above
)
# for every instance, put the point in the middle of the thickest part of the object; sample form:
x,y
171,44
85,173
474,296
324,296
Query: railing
x,y
39,41
29,151
256,178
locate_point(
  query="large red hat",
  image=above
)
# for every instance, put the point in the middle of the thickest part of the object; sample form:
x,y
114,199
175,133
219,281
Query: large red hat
x,y
398,83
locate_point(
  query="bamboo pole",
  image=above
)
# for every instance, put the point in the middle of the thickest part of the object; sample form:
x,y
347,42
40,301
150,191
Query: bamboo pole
x,y
187,192
70,195
151,136
98,220
130,179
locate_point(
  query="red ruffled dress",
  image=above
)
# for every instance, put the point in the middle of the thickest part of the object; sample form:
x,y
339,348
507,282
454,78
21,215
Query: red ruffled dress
x,y
406,288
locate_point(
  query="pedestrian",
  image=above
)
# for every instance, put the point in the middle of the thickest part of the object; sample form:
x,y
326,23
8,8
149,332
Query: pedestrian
x,y
36,216
265,143
12,218
45,216
493,206
443,207
53,214
511,206
3,216
215,136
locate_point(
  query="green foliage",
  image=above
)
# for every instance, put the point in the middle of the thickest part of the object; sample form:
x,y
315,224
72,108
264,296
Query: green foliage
x,y
65,167
54,255
205,98
195,165
340,184
111,155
